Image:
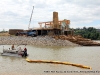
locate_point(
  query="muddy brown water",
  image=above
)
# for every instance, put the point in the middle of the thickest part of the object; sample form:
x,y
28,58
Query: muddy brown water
x,y
89,56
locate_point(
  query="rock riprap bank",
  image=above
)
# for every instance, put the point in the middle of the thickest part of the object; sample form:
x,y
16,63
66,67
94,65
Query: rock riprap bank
x,y
38,41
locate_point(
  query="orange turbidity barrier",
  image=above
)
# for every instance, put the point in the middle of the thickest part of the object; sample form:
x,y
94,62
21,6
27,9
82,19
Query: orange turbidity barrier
x,y
58,62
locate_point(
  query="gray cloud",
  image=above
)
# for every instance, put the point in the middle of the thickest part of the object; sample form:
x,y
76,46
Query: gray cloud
x,y
16,13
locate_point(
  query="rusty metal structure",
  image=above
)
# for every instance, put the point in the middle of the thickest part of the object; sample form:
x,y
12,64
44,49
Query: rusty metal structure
x,y
56,26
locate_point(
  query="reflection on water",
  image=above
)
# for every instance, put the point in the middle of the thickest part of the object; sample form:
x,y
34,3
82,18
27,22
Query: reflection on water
x,y
81,55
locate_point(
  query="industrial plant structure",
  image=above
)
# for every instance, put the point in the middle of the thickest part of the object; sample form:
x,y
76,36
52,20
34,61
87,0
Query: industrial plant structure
x,y
55,27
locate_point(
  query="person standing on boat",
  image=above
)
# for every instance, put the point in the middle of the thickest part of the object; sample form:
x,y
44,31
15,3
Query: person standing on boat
x,y
25,52
13,47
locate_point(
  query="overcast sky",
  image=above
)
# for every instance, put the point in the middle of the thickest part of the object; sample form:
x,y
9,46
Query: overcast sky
x,y
15,14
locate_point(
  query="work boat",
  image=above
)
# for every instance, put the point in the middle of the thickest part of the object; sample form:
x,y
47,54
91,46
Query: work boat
x,y
18,52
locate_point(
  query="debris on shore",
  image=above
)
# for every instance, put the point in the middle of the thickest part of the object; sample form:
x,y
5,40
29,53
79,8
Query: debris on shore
x,y
78,40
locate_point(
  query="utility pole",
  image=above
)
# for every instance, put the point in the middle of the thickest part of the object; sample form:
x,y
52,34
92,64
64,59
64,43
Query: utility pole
x,y
30,18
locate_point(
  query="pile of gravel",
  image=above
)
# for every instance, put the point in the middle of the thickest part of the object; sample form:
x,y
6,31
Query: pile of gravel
x,y
39,41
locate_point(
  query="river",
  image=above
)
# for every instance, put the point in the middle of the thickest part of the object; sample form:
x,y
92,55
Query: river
x,y
85,55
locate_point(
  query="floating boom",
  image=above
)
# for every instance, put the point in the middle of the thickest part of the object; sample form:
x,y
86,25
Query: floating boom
x,y
58,62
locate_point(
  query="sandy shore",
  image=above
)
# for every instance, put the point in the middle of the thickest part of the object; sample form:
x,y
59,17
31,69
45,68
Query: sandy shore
x,y
38,41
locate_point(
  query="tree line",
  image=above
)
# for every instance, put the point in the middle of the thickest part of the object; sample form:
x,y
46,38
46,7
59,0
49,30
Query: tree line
x,y
90,33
